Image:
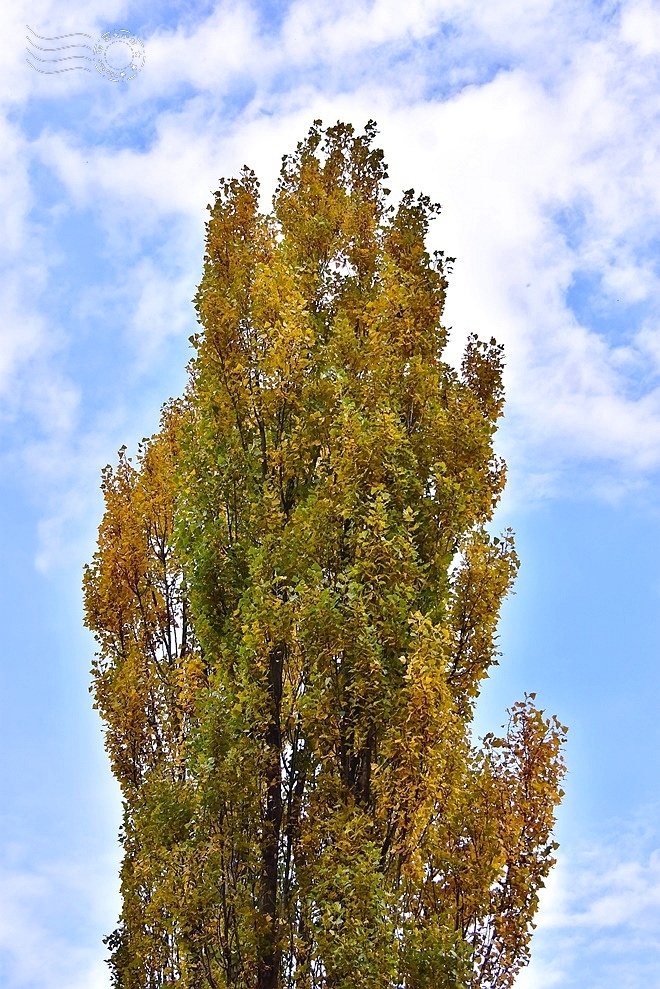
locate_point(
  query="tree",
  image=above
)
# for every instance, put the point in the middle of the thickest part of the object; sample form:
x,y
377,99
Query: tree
x,y
295,598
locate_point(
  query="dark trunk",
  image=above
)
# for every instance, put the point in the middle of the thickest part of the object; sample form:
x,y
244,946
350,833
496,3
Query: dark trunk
x,y
268,971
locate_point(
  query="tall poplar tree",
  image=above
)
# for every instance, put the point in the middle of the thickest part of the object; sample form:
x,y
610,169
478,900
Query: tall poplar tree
x,y
295,598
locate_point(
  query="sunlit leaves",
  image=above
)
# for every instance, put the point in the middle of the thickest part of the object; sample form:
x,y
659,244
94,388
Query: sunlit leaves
x,y
304,804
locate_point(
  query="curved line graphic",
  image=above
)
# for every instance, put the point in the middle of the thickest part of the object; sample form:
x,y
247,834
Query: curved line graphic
x,y
59,37
60,48
64,58
52,72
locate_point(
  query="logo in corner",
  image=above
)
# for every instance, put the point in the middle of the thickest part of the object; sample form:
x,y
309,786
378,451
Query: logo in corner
x,y
117,55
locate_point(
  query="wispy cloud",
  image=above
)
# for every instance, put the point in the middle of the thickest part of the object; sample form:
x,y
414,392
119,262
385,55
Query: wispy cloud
x,y
504,157
52,918
600,914
536,128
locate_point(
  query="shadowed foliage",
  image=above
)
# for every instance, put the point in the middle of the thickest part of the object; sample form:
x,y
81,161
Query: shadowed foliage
x,y
295,598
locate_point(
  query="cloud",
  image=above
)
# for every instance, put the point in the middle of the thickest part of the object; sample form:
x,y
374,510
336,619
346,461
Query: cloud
x,y
537,128
504,156
205,56
640,27
53,916
600,912
328,31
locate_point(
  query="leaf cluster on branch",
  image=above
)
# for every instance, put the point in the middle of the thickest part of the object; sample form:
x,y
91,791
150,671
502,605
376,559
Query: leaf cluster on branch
x,y
295,598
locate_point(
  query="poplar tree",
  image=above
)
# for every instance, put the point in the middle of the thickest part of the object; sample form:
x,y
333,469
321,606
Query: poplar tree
x,y
295,597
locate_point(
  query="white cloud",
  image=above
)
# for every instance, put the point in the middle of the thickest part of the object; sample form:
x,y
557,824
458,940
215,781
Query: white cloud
x,y
221,46
647,342
21,331
162,307
329,31
640,26
599,913
546,168
37,902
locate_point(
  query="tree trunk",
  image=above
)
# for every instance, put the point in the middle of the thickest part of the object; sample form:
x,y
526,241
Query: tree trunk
x,y
268,970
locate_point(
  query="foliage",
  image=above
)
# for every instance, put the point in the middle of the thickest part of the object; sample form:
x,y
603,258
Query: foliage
x,y
303,802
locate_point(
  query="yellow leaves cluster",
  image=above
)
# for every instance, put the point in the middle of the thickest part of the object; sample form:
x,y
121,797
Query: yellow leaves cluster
x,y
296,601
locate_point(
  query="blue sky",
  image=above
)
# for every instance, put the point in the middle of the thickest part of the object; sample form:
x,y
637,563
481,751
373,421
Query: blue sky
x,y
536,124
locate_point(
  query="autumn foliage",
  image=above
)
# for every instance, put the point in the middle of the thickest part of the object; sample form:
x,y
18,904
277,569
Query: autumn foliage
x,y
295,598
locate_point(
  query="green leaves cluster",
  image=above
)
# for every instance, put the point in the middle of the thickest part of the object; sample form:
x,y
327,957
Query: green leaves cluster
x,y
296,597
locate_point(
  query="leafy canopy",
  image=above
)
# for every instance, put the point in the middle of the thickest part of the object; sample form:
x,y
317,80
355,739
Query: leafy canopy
x,y
295,598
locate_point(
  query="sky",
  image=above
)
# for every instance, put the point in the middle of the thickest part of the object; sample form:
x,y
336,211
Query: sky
x,y
536,125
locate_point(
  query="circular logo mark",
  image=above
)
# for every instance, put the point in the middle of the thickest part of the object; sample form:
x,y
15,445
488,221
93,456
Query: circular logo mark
x,y
118,55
